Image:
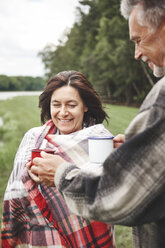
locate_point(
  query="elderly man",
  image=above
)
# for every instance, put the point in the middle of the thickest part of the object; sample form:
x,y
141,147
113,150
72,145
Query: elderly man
x,y
131,189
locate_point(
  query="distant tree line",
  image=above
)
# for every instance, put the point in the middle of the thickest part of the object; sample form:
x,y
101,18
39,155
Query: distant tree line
x,y
98,45
21,83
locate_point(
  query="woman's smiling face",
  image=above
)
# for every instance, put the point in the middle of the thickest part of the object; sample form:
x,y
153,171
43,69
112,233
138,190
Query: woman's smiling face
x,y
67,109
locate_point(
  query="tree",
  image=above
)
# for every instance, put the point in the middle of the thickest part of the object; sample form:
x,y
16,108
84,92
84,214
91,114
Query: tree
x,y
20,83
98,45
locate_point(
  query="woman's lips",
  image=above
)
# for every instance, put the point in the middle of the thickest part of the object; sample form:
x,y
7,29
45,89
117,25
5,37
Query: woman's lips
x,y
64,121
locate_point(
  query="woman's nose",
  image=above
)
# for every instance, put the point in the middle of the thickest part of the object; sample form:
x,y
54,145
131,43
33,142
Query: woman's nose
x,y
63,110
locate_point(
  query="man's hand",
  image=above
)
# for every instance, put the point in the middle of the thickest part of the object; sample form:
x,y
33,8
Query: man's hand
x,y
44,168
119,140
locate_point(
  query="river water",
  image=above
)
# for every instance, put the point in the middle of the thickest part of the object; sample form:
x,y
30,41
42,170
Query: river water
x,y
4,95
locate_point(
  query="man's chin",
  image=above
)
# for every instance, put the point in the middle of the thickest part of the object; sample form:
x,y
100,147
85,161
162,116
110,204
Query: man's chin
x,y
158,71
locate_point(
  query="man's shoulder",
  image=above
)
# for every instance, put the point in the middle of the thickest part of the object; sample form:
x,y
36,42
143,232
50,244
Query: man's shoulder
x,y
156,96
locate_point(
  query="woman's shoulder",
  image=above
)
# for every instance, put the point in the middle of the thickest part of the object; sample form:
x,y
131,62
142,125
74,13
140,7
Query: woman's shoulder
x,y
95,130
100,130
34,130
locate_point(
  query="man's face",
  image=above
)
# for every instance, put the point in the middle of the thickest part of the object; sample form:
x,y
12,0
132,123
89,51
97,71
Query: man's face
x,y
149,46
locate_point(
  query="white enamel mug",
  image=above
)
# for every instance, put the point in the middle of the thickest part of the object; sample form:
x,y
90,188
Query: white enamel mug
x,y
99,148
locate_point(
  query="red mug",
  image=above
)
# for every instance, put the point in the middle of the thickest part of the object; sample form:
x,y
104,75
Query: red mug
x,y
37,153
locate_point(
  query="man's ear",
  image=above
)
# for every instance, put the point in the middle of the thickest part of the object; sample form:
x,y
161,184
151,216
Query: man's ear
x,y
85,109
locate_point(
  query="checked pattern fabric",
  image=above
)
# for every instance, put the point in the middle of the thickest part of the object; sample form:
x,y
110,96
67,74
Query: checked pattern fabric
x,y
37,216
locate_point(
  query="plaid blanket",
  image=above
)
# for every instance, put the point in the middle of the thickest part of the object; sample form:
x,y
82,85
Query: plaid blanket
x,y
37,216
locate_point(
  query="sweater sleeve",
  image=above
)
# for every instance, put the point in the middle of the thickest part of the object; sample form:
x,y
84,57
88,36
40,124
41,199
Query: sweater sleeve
x,y
131,188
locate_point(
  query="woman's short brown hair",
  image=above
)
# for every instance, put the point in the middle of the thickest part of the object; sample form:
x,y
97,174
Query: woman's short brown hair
x,y
91,99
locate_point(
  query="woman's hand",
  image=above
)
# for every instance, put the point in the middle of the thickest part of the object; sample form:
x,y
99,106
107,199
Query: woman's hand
x,y
33,176
119,140
44,168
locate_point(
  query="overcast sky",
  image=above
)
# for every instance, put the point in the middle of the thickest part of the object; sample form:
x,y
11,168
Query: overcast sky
x,y
26,27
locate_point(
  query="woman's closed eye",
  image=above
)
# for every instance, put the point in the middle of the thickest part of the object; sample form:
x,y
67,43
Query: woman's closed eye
x,y
72,105
57,105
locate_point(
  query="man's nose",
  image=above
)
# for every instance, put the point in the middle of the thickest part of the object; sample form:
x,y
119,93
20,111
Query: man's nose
x,y
138,53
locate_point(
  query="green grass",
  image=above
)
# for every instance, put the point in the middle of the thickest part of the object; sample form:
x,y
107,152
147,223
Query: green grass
x,y
120,117
21,113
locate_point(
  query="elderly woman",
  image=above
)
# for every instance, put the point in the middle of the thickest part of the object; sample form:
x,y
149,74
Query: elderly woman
x,y
35,215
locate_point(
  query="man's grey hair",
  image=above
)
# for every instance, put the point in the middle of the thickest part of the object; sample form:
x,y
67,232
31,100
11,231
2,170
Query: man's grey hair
x,y
150,14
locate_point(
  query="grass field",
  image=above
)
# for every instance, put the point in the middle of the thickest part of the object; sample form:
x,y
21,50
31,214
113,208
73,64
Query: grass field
x,y
21,113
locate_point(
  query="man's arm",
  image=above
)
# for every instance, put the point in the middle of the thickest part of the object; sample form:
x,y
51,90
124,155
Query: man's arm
x,y
131,189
